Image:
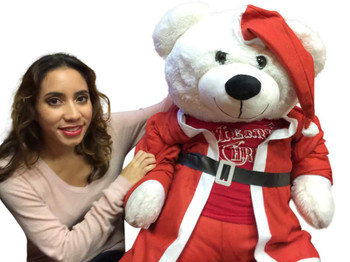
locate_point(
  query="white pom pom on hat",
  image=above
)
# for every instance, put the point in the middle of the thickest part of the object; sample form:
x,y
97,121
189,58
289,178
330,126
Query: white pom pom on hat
x,y
274,32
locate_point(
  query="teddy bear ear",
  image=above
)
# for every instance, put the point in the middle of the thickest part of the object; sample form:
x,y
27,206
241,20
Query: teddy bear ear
x,y
174,23
312,42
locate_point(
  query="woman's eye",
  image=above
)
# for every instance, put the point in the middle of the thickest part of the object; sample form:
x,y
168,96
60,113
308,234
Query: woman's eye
x,y
53,101
82,99
262,61
220,57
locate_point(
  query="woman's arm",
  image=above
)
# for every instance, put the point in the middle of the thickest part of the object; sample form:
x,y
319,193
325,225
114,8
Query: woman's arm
x,y
52,237
130,125
163,106
84,239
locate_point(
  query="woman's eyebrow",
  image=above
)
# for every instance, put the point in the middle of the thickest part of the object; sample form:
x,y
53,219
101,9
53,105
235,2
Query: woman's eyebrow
x,y
50,94
82,92
59,94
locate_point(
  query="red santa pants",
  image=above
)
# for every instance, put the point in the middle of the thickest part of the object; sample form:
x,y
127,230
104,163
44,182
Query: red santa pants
x,y
214,240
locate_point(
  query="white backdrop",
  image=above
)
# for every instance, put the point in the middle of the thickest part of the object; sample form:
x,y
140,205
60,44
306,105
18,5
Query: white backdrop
x,y
114,38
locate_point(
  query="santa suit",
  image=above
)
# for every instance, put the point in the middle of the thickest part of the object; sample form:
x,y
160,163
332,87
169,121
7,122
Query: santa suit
x,y
187,190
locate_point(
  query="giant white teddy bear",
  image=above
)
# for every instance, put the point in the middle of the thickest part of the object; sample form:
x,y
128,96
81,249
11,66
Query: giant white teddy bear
x,y
235,149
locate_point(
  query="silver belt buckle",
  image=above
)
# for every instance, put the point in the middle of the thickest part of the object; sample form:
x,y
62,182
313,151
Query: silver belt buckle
x,y
230,174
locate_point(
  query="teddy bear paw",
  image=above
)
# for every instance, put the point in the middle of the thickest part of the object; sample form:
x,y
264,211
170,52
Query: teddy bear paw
x,y
313,199
144,204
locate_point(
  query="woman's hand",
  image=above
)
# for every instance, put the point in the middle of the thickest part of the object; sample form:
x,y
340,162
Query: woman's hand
x,y
139,166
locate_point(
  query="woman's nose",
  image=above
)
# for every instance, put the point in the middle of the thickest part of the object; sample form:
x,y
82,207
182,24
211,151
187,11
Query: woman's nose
x,y
72,112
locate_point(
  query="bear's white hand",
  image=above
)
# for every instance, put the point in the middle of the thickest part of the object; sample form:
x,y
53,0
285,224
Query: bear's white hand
x,y
144,204
313,199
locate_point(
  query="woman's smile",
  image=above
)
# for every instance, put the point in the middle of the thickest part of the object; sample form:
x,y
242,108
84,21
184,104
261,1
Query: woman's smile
x,y
72,131
64,108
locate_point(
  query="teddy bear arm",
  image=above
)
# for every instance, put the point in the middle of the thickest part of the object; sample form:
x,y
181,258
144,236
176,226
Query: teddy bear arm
x,y
313,199
166,159
145,200
144,204
312,180
310,155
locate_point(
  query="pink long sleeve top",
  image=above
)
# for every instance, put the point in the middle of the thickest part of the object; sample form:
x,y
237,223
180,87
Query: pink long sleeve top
x,y
68,223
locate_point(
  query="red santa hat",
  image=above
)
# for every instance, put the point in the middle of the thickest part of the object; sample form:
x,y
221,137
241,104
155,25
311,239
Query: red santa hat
x,y
273,31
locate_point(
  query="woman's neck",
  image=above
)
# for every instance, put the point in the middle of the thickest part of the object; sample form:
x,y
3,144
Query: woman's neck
x,y
68,165
57,152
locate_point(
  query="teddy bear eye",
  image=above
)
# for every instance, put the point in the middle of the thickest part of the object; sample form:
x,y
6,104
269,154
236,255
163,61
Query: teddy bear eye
x,y
220,57
262,61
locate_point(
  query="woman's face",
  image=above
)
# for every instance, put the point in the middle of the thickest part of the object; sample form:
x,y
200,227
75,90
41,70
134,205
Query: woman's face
x,y
64,109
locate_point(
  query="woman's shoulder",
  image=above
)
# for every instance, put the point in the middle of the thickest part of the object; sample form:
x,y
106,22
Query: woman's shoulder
x,y
134,119
21,179
125,123
126,117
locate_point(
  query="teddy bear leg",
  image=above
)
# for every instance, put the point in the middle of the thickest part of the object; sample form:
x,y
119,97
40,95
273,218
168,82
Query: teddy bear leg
x,y
214,240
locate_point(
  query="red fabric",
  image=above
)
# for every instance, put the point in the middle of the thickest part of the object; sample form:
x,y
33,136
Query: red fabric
x,y
273,31
287,240
225,242
309,155
288,243
237,143
165,147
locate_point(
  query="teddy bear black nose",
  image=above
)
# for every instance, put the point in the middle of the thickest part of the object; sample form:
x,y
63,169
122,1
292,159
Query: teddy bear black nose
x,y
243,87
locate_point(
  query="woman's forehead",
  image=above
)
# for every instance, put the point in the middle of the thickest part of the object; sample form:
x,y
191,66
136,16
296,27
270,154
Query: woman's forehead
x,y
63,80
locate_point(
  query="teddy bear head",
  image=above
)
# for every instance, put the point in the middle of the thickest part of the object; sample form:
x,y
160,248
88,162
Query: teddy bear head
x,y
217,74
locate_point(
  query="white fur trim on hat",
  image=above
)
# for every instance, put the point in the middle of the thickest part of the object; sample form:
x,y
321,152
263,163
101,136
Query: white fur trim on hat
x,y
311,131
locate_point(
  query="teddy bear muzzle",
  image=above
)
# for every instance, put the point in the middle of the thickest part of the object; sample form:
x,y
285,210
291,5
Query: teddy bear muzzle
x,y
238,92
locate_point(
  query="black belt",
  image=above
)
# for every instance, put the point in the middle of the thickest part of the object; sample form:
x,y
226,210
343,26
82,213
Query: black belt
x,y
225,172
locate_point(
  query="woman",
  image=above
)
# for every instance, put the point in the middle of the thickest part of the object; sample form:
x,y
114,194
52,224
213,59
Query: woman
x,y
61,161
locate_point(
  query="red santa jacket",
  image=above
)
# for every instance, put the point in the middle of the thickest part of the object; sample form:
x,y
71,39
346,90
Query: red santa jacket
x,y
187,190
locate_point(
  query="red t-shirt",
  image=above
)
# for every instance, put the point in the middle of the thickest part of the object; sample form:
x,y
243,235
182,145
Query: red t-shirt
x,y
237,143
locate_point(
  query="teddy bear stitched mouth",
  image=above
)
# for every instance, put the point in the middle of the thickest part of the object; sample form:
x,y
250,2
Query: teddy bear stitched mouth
x,y
241,111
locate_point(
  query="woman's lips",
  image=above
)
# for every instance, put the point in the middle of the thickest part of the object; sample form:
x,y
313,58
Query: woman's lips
x,y
72,131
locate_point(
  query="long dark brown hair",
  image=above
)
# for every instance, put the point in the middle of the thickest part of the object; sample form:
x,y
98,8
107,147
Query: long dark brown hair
x,y
24,143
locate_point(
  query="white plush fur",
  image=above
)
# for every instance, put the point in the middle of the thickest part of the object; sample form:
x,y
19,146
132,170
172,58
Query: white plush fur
x,y
188,38
313,198
311,131
144,204
174,24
